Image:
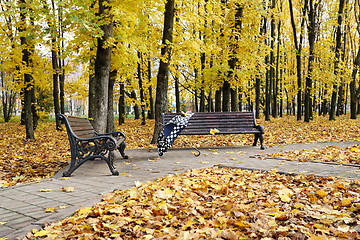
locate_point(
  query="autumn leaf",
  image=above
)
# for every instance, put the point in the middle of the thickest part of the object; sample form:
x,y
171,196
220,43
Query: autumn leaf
x,y
41,233
45,190
84,211
50,209
67,189
213,131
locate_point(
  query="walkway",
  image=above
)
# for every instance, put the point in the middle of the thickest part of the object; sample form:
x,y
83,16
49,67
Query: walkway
x,y
23,207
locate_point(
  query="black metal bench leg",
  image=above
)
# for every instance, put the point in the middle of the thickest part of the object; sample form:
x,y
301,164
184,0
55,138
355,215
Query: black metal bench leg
x,y
121,149
259,136
110,161
74,164
256,138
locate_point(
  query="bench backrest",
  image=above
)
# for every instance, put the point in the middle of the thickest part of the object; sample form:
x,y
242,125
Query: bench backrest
x,y
226,122
81,127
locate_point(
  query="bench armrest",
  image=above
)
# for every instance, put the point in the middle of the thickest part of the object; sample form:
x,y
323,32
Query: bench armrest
x,y
261,128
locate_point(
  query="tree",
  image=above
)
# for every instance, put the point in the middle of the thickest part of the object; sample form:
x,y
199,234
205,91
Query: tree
x,y
161,100
8,98
298,49
54,57
28,89
99,100
337,57
354,90
312,27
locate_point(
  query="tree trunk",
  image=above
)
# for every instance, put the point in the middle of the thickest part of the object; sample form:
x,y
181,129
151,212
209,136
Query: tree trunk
x,y
8,98
258,78
354,93
177,94
136,106
218,100
28,81
234,100
122,104
337,58
110,125
272,92
276,89
102,71
141,89
257,97
298,48
161,101
55,75
151,114
312,38
202,91
226,96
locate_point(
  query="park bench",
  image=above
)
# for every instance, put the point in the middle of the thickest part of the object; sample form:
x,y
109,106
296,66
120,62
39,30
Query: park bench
x,y
205,123
86,144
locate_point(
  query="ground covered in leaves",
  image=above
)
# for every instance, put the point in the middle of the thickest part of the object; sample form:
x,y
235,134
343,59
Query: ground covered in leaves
x,y
330,154
30,160
220,203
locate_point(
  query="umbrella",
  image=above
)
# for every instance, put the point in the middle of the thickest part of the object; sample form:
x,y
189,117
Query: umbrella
x,y
171,130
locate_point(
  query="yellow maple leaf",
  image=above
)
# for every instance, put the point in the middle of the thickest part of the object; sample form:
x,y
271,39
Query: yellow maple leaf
x,y
84,211
321,193
354,149
284,194
41,233
50,209
45,190
213,131
67,189
242,224
318,237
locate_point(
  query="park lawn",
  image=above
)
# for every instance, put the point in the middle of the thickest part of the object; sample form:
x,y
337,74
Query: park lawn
x,y
24,160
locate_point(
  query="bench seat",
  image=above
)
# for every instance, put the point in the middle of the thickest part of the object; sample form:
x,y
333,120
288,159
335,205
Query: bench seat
x,y
202,123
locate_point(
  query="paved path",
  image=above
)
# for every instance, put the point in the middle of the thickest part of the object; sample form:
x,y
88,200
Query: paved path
x,y
23,207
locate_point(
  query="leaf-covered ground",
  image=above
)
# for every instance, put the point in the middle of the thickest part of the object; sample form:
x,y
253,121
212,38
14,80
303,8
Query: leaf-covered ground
x,y
334,154
220,203
30,160
24,160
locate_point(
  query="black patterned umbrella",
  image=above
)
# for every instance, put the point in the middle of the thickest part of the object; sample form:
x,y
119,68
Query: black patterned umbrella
x,y
170,132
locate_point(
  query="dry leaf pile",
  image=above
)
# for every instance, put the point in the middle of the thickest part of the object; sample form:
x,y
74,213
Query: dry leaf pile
x,y
334,154
24,160
220,203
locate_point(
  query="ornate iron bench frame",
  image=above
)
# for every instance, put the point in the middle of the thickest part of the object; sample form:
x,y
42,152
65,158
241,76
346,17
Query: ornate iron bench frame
x,y
86,144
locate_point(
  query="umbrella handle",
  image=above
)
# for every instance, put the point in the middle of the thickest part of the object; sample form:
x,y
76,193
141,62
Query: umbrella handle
x,y
198,152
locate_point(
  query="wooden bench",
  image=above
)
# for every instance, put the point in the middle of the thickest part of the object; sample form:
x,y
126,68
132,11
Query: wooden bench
x,y
86,144
201,123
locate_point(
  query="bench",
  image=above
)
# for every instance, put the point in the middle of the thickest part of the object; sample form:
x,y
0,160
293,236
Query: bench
x,y
205,123
86,144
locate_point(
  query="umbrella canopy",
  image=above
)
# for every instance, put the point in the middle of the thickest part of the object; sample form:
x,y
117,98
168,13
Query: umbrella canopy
x,y
171,130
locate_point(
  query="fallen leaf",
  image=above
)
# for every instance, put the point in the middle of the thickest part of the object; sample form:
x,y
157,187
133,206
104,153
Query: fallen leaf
x,y
67,189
